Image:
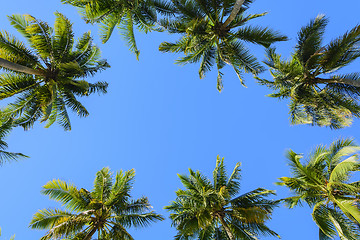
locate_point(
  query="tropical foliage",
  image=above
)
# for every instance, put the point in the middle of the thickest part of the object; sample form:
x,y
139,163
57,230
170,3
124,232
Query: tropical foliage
x,y
106,210
5,156
323,182
213,209
123,14
47,79
214,32
319,94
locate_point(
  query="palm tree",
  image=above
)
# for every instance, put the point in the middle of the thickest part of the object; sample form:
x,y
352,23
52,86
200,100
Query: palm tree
x,y
214,210
214,32
323,183
318,93
46,79
5,156
107,210
123,14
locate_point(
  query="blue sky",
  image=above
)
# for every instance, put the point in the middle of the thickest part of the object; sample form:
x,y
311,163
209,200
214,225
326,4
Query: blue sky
x,y
160,119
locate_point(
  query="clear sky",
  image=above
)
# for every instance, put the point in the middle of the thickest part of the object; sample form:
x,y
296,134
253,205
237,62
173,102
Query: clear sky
x,y
160,119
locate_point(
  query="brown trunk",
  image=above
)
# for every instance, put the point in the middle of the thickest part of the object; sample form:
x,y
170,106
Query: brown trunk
x,y
234,12
19,68
342,81
226,227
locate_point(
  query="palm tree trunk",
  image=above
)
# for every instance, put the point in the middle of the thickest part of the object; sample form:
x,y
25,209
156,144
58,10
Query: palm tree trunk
x,y
234,12
19,68
342,81
226,227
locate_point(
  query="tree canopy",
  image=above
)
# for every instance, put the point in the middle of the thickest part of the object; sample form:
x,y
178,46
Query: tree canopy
x,y
212,33
323,182
124,15
214,209
46,79
319,93
107,210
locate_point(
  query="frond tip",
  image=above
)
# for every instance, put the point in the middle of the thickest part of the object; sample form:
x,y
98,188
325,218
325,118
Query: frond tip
x,y
6,156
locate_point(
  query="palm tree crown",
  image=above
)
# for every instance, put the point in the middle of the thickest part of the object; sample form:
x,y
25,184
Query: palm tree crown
x,y
319,94
108,209
209,37
47,78
214,210
124,14
323,183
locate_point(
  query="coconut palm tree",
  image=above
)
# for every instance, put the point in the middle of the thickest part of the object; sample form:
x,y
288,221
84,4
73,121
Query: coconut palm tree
x,y
46,79
214,32
106,210
123,14
214,209
5,156
323,182
319,94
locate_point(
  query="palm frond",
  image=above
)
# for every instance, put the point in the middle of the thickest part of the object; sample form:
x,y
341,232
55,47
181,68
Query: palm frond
x,y
310,37
6,156
259,35
63,39
15,51
341,51
65,193
107,26
320,216
102,184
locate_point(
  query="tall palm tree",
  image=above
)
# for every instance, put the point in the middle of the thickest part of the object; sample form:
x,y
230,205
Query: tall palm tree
x,y
123,14
214,32
319,94
5,156
106,210
45,80
323,182
213,209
